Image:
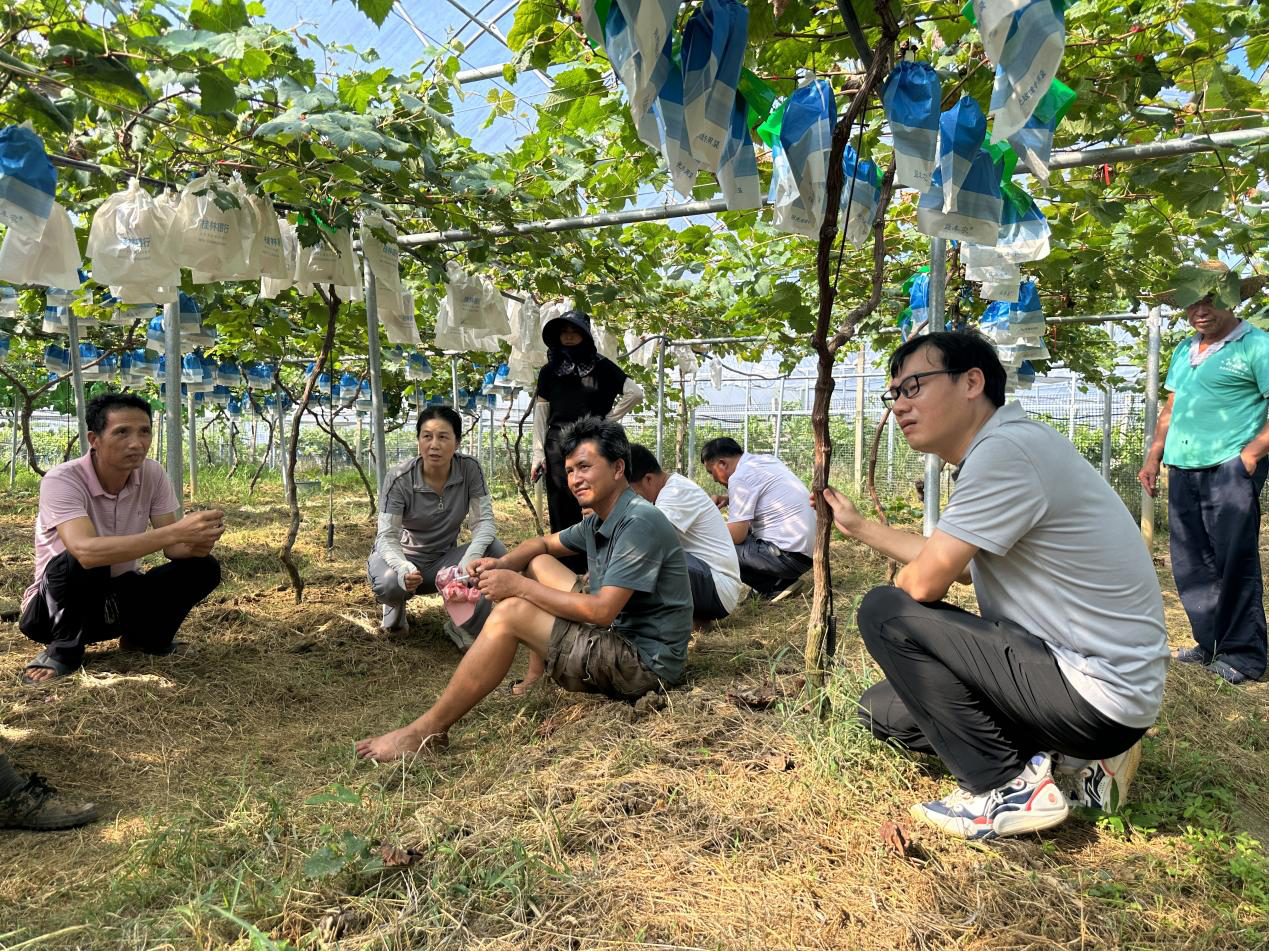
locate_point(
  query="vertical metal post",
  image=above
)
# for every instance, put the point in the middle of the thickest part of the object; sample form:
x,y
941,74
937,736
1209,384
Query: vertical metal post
x,y
779,418
691,435
13,454
1070,422
172,396
491,442
660,397
861,365
77,377
1108,408
938,292
277,443
376,381
748,395
453,382
193,447
1154,334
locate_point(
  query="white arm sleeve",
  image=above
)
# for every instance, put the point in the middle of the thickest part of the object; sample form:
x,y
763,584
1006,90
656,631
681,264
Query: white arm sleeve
x,y
480,518
631,396
541,409
388,545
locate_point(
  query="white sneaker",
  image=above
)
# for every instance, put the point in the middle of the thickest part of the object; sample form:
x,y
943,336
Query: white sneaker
x,y
1029,803
1102,784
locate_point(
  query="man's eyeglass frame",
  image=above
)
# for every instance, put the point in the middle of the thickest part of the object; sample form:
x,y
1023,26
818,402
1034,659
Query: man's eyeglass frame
x,y
913,383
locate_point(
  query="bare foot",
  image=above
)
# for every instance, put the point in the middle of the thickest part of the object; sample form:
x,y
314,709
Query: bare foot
x,y
40,674
537,667
400,743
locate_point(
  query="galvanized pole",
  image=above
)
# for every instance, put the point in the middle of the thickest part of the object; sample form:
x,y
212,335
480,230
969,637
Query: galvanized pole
x,y
660,397
1070,422
13,455
77,377
376,381
193,447
172,396
1108,409
779,420
691,434
1154,332
748,395
277,443
453,382
491,441
861,366
933,464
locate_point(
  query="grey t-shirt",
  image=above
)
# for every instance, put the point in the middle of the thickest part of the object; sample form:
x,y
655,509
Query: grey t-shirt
x,y
1060,555
430,523
636,547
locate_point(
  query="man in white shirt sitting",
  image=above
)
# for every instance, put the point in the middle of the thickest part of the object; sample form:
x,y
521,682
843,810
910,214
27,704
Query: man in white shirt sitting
x,y
770,517
712,566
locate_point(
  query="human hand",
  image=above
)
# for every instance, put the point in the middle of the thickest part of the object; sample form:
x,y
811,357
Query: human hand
x,y
201,529
719,500
1149,476
478,565
1249,461
498,584
537,472
846,517
411,580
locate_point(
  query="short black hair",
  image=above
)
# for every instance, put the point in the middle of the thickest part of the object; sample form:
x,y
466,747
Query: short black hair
x,y
99,408
724,447
642,463
440,412
960,350
609,438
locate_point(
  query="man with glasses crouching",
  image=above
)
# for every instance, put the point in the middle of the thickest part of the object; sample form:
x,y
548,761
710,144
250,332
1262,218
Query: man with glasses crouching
x,y
1042,700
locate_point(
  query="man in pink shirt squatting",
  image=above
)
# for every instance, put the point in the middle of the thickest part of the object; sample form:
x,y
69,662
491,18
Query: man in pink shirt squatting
x,y
98,515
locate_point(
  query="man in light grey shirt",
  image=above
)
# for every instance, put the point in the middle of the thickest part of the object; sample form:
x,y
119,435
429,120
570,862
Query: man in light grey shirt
x,y
1067,661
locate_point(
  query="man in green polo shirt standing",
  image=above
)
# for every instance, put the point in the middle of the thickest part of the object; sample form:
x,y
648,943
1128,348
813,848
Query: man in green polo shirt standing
x,y
627,637
1214,438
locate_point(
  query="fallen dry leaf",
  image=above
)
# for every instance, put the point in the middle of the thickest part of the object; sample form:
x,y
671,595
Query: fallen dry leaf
x,y
896,840
779,762
393,856
755,698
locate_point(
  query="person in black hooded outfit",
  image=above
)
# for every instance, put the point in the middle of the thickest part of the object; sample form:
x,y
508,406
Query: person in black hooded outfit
x,y
576,381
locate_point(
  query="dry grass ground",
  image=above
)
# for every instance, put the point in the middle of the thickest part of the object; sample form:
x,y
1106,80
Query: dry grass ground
x,y
238,816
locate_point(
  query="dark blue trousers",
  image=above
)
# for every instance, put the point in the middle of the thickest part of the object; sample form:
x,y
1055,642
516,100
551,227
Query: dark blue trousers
x,y
1214,526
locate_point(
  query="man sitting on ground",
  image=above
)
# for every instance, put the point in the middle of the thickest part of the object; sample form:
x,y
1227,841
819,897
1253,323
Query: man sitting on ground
x,y
712,566
626,638
770,520
1070,654
90,531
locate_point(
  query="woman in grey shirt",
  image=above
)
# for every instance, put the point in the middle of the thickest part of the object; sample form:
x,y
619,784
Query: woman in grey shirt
x,y
422,507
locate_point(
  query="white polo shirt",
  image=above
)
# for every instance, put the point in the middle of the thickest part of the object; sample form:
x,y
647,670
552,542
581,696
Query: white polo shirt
x,y
764,492
703,533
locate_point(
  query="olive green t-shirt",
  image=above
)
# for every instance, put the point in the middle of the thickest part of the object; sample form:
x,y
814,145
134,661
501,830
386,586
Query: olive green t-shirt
x,y
636,547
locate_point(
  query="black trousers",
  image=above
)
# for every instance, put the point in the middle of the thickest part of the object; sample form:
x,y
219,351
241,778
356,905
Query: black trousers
x,y
562,506
767,568
76,606
984,696
1214,538
706,605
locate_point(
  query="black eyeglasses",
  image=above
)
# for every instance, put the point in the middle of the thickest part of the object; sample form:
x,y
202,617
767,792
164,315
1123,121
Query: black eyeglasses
x,y
910,386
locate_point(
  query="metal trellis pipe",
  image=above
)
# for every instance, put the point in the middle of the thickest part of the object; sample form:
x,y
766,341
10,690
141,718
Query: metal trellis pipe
x,y
933,464
77,377
1154,338
172,396
376,379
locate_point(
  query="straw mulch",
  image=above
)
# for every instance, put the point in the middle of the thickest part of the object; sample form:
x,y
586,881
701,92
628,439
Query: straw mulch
x,y
729,817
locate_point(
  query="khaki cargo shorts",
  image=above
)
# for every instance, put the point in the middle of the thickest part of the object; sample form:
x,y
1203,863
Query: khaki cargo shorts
x,y
587,658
